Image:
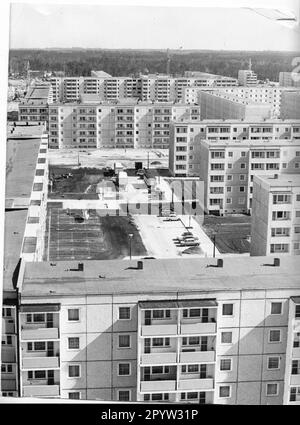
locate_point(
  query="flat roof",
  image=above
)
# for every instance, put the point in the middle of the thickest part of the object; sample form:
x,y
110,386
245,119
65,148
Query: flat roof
x,y
14,227
290,180
239,121
25,131
94,100
252,143
21,158
63,278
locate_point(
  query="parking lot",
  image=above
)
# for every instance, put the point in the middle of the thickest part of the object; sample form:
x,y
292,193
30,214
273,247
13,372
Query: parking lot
x,y
69,236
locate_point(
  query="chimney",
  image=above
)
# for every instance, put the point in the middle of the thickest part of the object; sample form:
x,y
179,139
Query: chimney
x,y
140,265
276,262
220,262
275,176
80,267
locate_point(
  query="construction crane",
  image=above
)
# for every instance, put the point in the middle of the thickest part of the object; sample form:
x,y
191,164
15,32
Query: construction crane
x,y
169,60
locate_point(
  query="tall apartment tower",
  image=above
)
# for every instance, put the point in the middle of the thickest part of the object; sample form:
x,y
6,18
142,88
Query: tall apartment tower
x,y
276,215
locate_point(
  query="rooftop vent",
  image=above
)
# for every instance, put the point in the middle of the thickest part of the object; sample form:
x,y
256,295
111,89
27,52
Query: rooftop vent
x,y
140,265
276,262
220,262
80,267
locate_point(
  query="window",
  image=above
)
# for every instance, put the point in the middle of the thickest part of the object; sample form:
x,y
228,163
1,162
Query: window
x,y
124,313
297,311
273,362
227,310
272,389
74,371
276,308
124,341
275,335
73,343
124,395
160,342
224,391
6,368
74,395
124,369
73,314
226,337
225,364
242,188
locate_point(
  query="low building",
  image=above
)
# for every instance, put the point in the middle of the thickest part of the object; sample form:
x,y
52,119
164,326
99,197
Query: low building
x,y
276,215
218,105
168,330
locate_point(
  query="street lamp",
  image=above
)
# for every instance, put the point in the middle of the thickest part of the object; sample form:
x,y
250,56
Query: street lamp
x,y
130,241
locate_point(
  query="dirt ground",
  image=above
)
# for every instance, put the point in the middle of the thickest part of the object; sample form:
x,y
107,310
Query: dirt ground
x,y
232,232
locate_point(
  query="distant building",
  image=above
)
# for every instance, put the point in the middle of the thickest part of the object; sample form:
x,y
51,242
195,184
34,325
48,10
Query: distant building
x,y
35,105
123,124
247,77
269,94
150,87
218,105
276,215
290,104
289,79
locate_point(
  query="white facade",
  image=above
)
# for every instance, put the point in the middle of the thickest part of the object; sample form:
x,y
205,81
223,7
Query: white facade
x,y
276,215
247,77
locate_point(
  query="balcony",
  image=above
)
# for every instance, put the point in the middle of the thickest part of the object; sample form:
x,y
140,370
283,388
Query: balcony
x,y
196,384
40,363
197,357
296,353
158,359
148,386
199,328
41,391
154,330
295,380
39,334
7,327
296,325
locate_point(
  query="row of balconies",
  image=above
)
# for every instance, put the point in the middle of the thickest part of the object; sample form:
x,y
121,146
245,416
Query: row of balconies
x,y
181,329
180,385
184,357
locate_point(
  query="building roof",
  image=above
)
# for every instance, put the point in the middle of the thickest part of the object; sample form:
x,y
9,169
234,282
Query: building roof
x,y
14,227
100,74
21,158
23,131
38,93
290,180
63,278
264,121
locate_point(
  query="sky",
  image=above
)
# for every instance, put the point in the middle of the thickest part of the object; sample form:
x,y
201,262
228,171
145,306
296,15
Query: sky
x,y
98,26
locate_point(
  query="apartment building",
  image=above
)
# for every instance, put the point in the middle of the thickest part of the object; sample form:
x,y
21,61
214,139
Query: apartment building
x,y
276,215
289,79
228,170
34,108
218,105
247,77
127,123
25,219
159,332
151,87
290,104
270,94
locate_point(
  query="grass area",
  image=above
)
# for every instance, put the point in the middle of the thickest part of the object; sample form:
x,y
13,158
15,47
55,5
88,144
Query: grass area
x,y
232,232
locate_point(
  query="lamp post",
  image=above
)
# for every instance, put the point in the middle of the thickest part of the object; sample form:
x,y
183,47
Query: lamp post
x,y
130,242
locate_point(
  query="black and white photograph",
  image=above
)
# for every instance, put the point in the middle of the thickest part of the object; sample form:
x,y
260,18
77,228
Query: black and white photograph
x,y
150,206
